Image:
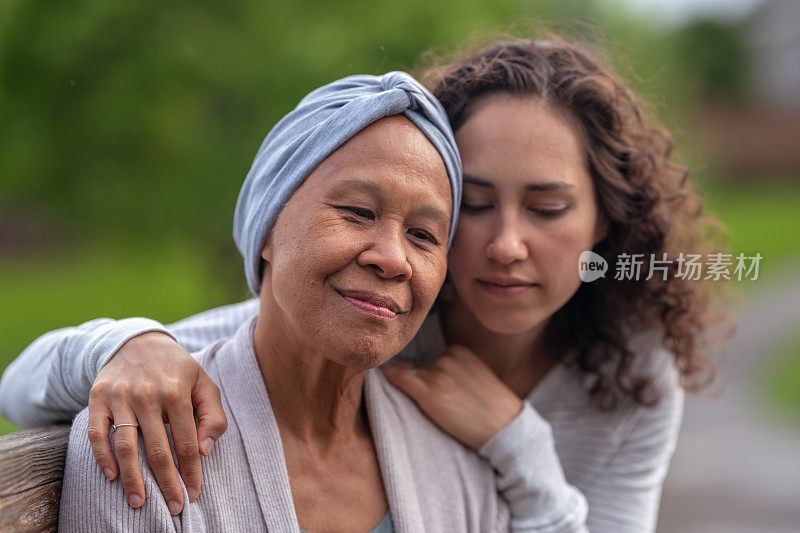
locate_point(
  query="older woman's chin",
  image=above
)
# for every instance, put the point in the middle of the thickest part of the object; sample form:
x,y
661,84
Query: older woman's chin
x,y
360,354
364,362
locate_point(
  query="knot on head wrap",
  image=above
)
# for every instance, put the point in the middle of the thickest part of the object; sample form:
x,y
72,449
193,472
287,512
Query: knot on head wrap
x,y
323,121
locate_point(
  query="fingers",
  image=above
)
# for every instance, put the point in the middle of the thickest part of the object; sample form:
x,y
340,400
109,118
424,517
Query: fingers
x,y
463,363
430,386
407,381
126,449
463,355
399,363
99,423
152,380
159,455
184,436
212,422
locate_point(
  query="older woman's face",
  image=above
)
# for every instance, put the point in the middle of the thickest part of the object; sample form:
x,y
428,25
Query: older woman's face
x,y
358,254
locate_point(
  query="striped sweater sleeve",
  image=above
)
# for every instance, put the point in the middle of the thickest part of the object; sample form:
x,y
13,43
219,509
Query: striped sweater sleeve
x,y
621,495
50,381
530,477
625,496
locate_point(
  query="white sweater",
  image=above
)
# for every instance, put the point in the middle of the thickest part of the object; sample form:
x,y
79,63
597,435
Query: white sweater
x,y
559,443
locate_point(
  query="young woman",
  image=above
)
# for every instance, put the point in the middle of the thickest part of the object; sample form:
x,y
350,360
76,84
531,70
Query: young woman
x,y
564,385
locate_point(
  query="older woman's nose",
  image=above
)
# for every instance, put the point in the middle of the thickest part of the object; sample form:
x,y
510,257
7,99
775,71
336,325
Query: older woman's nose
x,y
387,255
507,244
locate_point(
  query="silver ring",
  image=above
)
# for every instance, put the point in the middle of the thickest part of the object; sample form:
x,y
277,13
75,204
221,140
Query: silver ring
x,y
115,426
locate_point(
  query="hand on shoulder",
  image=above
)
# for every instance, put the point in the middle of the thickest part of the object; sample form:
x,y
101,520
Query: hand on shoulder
x,y
150,381
460,394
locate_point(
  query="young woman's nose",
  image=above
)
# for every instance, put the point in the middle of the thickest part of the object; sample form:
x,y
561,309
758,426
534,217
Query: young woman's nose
x,y
507,245
387,255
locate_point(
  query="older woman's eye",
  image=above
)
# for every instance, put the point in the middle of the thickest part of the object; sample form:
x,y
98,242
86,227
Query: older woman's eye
x,y
423,235
360,212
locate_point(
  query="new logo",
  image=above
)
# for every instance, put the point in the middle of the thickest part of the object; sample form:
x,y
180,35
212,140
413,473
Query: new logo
x,y
591,266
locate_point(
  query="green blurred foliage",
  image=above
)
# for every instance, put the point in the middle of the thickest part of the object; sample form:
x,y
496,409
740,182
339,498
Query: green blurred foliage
x,y
759,218
142,118
782,381
137,117
714,54
165,281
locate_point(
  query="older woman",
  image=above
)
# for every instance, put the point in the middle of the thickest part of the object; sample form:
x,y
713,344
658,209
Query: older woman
x,y
343,222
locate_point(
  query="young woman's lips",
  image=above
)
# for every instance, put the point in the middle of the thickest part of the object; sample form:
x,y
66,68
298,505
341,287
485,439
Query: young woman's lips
x,y
372,304
506,288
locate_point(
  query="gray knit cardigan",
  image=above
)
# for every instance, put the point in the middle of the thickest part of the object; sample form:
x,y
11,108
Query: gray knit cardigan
x,y
432,482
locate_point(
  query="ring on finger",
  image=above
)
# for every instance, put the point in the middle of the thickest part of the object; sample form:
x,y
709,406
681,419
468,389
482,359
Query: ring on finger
x,y
115,426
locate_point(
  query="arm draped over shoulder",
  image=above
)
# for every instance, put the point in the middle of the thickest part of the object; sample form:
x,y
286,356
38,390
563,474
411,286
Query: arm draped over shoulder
x,y
50,380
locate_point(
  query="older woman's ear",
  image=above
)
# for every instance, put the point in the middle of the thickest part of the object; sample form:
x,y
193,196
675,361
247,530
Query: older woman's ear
x,y
266,257
266,251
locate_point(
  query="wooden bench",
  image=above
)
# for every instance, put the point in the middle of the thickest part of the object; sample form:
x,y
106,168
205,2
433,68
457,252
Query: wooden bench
x,y
31,471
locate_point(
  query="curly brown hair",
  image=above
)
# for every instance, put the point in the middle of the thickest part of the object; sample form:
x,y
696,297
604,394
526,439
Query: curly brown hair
x,y
647,201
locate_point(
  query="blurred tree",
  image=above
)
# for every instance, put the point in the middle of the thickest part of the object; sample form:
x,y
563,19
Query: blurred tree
x,y
142,118
139,120
715,56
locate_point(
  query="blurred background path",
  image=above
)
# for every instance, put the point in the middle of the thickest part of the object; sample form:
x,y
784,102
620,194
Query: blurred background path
x,y
737,465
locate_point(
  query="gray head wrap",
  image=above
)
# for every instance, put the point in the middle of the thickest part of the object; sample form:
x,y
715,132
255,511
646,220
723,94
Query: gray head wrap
x,y
323,121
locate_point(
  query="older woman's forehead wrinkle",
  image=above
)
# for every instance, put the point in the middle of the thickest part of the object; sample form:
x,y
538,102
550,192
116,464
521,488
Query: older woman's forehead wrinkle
x,y
349,185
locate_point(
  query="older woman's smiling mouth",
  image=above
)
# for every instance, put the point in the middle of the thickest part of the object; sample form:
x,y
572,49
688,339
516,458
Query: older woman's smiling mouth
x,y
371,303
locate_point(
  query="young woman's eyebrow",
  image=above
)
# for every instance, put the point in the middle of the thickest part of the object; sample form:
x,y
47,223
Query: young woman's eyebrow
x,y
533,186
478,182
549,186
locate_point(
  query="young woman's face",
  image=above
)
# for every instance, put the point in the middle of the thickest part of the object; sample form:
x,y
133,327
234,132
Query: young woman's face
x,y
527,213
